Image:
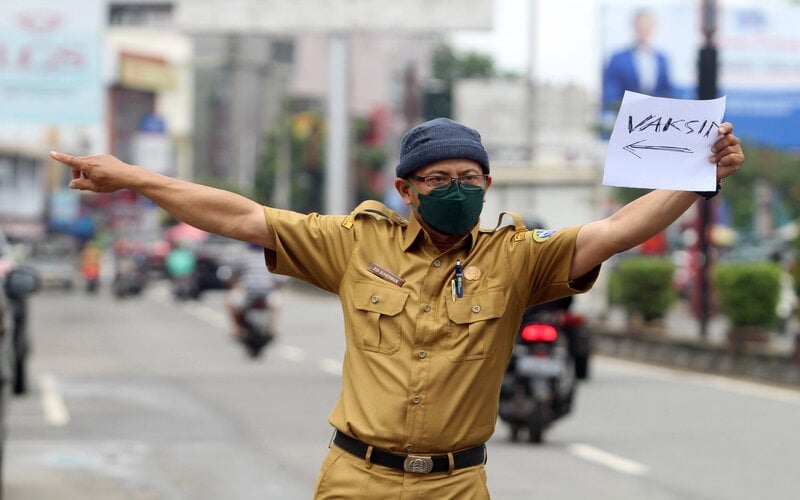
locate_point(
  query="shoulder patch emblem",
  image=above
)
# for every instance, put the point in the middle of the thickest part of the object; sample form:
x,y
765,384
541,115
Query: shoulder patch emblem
x,y
348,222
541,235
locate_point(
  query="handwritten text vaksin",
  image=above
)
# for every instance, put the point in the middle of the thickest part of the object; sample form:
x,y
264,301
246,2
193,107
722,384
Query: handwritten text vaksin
x,y
664,124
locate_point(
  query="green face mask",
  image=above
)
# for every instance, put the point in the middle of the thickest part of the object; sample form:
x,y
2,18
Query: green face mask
x,y
451,210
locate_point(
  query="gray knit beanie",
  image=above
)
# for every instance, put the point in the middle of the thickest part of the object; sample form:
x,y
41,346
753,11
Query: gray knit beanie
x,y
440,139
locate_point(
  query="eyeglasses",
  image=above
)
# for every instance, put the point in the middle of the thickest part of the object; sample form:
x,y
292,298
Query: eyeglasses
x,y
473,181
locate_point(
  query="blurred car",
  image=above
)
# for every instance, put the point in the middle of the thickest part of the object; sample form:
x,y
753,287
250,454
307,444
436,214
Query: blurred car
x,y
212,253
56,259
764,250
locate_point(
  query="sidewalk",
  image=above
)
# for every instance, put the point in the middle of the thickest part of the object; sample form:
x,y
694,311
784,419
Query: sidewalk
x,y
680,323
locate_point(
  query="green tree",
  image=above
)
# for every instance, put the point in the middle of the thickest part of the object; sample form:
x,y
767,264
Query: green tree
x,y
305,131
779,169
450,65
369,159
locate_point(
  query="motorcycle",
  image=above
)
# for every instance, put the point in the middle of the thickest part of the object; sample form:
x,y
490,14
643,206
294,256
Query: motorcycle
x,y
579,337
130,278
540,383
185,287
256,320
254,315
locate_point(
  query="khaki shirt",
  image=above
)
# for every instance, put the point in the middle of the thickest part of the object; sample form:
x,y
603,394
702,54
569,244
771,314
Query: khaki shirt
x,y
422,371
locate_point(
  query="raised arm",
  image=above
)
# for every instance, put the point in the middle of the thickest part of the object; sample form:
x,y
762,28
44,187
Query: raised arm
x,y
210,209
648,215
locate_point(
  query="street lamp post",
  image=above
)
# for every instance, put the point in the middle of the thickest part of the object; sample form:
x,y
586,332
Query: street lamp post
x,y
706,89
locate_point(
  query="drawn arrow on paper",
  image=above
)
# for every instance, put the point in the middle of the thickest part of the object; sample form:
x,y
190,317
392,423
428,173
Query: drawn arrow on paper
x,y
630,148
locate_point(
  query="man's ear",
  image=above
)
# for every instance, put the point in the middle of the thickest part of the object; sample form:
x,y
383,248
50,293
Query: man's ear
x,y
404,189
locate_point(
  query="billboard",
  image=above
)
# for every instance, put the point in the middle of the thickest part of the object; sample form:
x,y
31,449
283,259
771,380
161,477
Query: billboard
x,y
653,49
290,16
50,62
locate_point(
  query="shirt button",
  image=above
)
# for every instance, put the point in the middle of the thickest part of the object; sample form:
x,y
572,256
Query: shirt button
x,y
409,447
374,299
421,354
437,263
417,399
426,308
476,308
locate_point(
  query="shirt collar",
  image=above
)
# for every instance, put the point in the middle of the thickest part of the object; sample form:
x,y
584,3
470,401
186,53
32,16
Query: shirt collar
x,y
414,231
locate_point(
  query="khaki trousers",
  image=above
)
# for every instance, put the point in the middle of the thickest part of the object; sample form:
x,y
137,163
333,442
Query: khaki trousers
x,y
346,477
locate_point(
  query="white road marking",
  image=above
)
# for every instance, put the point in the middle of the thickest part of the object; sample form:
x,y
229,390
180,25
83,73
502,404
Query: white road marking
x,y
212,316
331,366
609,460
292,353
53,406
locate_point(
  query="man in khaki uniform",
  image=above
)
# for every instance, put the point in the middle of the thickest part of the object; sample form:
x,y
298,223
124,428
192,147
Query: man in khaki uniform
x,y
431,305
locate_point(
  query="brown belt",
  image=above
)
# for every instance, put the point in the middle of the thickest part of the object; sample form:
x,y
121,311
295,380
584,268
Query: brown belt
x,y
421,464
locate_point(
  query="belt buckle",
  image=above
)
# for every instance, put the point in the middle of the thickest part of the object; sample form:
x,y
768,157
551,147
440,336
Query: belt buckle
x,y
418,464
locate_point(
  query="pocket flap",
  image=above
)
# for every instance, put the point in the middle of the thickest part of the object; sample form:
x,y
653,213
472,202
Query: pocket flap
x,y
372,297
481,306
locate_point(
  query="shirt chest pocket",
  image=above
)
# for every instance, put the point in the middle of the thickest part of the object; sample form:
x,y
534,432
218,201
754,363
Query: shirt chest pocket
x,y
472,320
378,324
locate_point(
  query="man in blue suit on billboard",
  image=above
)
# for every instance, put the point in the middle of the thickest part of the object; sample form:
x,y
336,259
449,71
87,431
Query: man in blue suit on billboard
x,y
640,68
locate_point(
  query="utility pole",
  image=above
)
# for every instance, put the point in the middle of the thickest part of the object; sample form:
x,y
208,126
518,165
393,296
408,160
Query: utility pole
x,y
706,89
530,82
337,176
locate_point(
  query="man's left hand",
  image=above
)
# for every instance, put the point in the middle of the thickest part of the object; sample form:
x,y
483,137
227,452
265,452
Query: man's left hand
x,y
727,151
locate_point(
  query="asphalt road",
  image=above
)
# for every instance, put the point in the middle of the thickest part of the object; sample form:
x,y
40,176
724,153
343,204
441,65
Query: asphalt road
x,y
150,399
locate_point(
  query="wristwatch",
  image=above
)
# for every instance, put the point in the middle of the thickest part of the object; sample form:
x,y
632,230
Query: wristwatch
x,y
707,195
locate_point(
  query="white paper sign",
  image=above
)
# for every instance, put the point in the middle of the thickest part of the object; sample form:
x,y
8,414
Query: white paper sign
x,y
662,143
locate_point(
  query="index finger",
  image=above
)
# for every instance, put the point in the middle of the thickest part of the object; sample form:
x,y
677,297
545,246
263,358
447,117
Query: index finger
x,y
62,157
68,160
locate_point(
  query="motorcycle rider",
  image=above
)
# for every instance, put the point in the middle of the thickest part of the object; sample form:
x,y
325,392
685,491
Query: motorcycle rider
x,y
181,264
91,255
251,282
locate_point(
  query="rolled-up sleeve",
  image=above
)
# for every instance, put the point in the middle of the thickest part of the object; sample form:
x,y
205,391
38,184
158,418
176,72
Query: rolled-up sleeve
x,y
310,247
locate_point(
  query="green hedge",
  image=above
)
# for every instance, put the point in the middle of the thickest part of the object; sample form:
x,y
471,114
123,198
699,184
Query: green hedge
x,y
748,292
643,285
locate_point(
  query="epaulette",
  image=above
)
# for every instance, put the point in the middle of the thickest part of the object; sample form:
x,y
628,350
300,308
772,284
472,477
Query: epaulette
x,y
520,231
376,210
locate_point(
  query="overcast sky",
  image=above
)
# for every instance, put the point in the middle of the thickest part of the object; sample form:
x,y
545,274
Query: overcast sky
x,y
565,51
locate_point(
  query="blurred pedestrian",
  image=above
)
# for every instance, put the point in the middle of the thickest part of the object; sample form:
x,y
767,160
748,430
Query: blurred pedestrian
x,y
91,257
431,304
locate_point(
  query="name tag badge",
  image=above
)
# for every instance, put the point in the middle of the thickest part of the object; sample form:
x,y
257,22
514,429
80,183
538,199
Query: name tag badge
x,y
385,274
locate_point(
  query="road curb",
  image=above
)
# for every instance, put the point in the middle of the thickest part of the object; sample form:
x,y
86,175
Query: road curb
x,y
756,363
